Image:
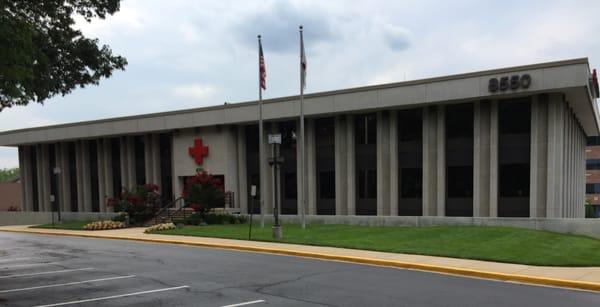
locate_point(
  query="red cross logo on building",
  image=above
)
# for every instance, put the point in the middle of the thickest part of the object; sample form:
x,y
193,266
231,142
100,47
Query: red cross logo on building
x,y
198,152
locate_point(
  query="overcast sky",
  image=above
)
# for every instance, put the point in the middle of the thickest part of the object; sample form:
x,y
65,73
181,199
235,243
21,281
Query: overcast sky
x,y
185,54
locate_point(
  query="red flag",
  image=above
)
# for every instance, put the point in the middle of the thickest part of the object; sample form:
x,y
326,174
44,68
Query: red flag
x,y
261,67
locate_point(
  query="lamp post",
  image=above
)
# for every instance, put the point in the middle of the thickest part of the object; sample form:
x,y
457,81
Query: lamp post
x,y
56,170
276,161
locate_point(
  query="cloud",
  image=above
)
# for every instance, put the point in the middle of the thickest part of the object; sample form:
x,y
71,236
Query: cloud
x,y
278,25
195,91
397,38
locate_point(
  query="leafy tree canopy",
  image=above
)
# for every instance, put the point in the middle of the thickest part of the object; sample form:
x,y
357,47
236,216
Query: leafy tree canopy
x,y
42,55
7,174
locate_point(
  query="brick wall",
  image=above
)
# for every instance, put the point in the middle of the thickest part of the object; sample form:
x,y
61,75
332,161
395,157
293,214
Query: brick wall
x,y
10,195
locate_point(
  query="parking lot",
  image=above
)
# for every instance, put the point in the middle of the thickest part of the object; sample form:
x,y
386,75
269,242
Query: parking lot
x,y
55,278
40,270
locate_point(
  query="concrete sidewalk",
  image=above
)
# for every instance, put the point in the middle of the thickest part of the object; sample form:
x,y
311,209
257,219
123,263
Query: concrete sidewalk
x,y
585,278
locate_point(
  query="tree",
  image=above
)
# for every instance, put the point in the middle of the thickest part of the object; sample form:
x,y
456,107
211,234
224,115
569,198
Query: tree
x,y
42,55
7,174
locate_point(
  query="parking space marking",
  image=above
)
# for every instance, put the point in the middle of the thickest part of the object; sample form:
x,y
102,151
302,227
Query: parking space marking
x,y
66,284
245,303
17,259
113,297
45,273
26,265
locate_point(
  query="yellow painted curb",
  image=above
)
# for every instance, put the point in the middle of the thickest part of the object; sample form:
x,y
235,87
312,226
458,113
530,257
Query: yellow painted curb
x,y
583,285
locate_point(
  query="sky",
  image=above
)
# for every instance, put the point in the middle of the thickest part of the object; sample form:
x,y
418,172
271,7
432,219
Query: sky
x,y
188,54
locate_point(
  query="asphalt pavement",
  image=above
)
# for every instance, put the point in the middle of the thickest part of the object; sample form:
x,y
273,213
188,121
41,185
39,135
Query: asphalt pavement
x,y
42,270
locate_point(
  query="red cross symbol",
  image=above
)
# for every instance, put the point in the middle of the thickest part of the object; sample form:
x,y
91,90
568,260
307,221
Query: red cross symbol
x,y
198,152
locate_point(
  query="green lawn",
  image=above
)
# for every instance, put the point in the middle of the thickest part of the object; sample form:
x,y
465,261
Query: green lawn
x,y
73,225
502,244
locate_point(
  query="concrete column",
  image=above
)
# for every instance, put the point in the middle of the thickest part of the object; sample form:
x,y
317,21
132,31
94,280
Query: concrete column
x,y
429,161
108,170
555,156
539,159
45,173
341,194
79,179
124,167
350,166
65,176
267,184
39,177
300,192
383,164
156,159
311,167
493,202
27,178
243,194
130,156
393,169
481,159
441,161
85,176
24,175
148,158
101,158
232,177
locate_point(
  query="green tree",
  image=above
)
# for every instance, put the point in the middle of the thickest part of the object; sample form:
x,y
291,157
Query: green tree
x,y
42,55
7,174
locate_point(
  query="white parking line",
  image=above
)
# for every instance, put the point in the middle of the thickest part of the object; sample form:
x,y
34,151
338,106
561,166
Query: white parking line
x,y
245,303
67,284
26,265
17,259
44,273
113,297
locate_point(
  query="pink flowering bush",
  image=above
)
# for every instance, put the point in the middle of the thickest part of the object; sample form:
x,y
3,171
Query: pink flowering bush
x,y
140,204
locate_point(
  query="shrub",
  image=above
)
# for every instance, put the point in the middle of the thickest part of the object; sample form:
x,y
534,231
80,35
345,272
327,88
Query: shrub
x,y
194,219
140,204
212,219
120,217
14,209
203,192
104,225
159,227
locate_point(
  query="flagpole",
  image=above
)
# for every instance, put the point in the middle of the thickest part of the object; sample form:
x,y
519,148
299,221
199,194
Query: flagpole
x,y
261,151
302,143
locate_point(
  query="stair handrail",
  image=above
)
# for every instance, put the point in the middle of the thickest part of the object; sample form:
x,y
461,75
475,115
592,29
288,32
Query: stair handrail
x,y
166,207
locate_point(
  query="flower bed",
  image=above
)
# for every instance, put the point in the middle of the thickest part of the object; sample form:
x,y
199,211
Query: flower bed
x,y
103,225
159,227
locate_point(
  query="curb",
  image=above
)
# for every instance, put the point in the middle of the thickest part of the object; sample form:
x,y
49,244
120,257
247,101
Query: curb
x,y
581,285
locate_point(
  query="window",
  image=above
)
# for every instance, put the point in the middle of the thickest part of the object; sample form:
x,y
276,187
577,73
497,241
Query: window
x,y
327,185
592,164
593,141
592,188
290,186
366,129
140,159
514,180
460,181
367,184
411,182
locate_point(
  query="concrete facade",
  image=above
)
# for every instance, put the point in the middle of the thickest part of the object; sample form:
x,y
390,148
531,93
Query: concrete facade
x,y
562,108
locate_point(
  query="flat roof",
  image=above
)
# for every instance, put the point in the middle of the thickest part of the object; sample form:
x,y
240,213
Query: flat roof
x,y
567,76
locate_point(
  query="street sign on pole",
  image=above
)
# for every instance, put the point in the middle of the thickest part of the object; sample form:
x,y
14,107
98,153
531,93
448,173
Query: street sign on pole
x,y
275,139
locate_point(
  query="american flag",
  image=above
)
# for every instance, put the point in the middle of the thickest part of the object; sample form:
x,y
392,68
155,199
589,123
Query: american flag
x,y
261,67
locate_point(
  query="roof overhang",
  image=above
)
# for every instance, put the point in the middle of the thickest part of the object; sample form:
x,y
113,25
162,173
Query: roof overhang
x,y
570,77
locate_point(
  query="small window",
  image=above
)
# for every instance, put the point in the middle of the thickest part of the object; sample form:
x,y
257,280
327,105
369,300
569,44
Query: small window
x,y
327,185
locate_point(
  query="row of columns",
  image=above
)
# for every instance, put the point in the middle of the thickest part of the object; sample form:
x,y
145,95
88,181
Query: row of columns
x,y
82,164
557,167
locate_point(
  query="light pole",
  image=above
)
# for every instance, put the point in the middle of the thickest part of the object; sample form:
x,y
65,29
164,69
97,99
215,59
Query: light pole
x,y
56,170
276,161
